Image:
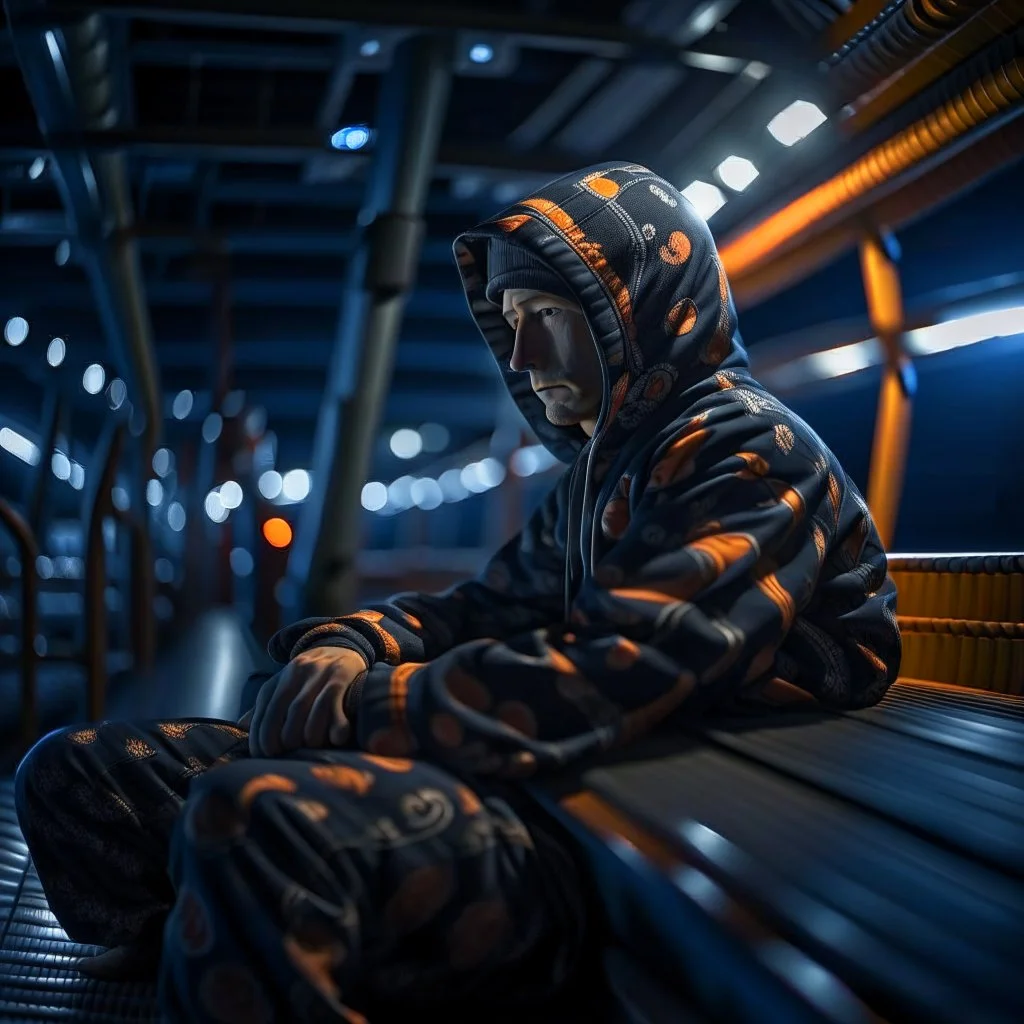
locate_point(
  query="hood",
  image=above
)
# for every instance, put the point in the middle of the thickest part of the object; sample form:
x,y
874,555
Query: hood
x,y
644,268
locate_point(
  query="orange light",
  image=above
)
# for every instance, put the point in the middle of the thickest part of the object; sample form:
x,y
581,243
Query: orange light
x,y
277,532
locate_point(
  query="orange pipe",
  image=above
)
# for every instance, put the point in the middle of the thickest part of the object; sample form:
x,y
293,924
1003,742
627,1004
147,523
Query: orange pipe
x,y
892,423
993,94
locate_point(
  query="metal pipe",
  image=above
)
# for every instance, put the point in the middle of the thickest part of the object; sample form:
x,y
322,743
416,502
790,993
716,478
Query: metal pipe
x,y
96,638
878,255
998,94
893,40
89,69
28,550
889,76
414,99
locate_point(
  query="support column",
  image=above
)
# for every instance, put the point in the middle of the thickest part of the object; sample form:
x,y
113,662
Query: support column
x,y
879,254
414,100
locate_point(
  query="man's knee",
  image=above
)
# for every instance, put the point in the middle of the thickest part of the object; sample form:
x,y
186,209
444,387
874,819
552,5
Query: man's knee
x,y
48,765
222,801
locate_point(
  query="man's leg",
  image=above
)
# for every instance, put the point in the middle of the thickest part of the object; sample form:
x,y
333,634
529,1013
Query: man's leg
x,y
317,889
97,806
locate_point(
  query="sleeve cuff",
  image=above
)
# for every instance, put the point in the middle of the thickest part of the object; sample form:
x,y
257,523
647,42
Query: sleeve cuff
x,y
377,707
334,637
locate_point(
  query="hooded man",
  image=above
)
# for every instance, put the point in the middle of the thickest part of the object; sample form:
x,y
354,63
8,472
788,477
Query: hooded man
x,y
703,550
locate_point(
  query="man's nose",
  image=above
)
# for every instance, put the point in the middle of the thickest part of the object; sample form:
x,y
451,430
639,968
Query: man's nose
x,y
523,354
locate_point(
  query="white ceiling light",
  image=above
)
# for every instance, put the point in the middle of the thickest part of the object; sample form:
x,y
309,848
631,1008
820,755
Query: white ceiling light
x,y
295,485
435,437
56,351
426,493
16,331
270,484
154,493
796,122
20,447
162,462
94,378
406,444
967,330
176,516
117,392
215,507
61,466
451,485
212,427
705,198
182,406
736,172
400,492
231,494
374,496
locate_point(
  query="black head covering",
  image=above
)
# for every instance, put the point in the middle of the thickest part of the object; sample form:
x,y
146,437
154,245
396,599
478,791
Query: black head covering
x,y
512,266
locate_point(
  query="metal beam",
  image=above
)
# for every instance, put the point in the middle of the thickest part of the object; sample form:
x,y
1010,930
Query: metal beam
x,y
276,146
295,405
272,55
413,104
284,352
274,293
70,82
591,37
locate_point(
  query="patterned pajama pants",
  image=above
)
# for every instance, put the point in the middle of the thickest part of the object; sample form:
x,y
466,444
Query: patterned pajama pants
x,y
320,887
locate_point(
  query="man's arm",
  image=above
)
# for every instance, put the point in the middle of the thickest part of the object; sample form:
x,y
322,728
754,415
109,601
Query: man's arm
x,y
520,589
724,549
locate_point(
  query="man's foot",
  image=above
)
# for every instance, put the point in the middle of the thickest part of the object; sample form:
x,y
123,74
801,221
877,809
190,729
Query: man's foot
x,y
136,962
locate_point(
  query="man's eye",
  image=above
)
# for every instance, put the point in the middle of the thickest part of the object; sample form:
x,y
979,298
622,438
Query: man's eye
x,y
547,311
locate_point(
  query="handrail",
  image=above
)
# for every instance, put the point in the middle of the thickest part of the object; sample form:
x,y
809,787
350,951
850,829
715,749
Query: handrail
x,y
28,549
997,94
143,589
100,507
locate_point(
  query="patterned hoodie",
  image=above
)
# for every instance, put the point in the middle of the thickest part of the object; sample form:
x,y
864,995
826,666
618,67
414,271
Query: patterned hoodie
x,y
703,550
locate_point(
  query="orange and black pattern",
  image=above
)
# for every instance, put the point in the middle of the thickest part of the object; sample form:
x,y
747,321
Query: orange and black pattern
x,y
714,551
318,888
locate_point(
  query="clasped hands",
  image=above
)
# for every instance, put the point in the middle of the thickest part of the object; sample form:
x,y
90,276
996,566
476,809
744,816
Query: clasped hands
x,y
303,705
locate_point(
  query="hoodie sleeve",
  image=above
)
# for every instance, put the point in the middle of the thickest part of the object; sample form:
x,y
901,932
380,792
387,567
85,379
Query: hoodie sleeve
x,y
520,589
726,542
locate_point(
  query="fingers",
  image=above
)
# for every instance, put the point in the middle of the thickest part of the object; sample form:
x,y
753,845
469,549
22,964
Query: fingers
x,y
292,733
259,712
314,735
327,725
246,719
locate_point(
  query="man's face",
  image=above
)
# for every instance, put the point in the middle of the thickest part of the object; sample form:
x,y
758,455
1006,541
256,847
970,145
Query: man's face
x,y
553,343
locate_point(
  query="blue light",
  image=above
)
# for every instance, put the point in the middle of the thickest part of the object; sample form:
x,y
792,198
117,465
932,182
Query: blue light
x,y
369,48
481,53
352,137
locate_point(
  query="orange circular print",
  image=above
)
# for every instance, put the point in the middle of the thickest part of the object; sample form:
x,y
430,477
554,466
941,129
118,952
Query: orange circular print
x,y
676,250
682,318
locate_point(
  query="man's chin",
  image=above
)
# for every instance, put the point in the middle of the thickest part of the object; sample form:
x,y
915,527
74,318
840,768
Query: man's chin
x,y
561,415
